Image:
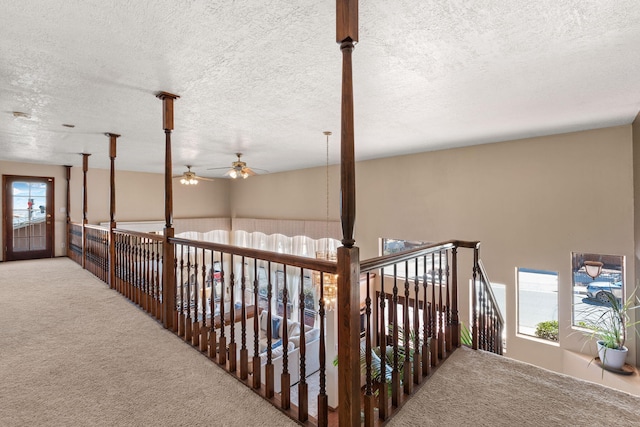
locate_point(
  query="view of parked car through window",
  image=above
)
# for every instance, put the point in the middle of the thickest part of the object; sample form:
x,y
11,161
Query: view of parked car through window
x,y
593,287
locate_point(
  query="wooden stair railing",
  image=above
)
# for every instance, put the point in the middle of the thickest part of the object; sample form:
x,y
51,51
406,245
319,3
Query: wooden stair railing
x,y
487,322
225,326
409,306
408,325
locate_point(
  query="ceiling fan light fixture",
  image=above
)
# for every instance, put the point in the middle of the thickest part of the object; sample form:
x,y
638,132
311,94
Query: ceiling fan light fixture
x,y
233,174
245,175
189,181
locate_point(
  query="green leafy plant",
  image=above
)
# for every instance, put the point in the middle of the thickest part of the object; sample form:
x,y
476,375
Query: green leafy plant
x,y
547,330
377,376
465,335
611,326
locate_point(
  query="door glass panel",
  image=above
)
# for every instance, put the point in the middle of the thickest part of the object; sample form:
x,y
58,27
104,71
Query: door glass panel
x,y
29,216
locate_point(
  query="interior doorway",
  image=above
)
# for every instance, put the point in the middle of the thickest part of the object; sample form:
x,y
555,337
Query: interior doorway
x,y
28,218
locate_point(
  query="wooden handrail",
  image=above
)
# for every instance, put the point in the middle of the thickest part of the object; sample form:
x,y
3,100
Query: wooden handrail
x,y
385,260
289,260
96,227
150,236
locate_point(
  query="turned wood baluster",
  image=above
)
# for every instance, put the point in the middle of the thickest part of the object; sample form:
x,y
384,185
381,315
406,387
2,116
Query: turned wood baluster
x,y
188,322
146,280
203,322
149,273
122,265
126,264
244,352
140,271
212,309
426,325
395,374
406,369
323,407
447,322
303,387
285,377
441,313
152,277
369,400
122,275
383,396
268,370
474,302
434,315
455,322
136,266
255,365
132,266
222,344
417,371
232,322
181,323
195,333
160,264
134,269
177,310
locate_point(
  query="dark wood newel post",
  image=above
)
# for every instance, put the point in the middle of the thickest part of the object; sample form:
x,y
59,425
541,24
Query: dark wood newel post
x,y
348,255
68,208
168,273
112,209
85,169
474,300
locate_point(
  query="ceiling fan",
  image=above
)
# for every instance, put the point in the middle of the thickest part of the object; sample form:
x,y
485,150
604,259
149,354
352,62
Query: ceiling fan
x,y
239,169
190,178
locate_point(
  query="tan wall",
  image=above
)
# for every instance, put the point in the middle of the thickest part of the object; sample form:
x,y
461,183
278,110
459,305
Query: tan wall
x,y
140,196
298,194
530,202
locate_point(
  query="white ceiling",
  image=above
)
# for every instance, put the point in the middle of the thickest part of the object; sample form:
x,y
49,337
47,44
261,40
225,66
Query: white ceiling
x,y
263,77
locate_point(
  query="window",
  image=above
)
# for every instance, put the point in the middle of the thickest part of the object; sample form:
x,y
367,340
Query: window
x,y
538,303
433,267
596,279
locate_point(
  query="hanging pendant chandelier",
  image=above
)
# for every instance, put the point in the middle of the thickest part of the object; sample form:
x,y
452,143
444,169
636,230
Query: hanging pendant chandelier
x,y
329,281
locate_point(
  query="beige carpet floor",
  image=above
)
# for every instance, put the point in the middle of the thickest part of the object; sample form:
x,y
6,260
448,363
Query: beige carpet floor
x,y
75,353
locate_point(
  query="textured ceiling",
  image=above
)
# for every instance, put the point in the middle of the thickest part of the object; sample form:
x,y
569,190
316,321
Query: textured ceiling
x,y
263,77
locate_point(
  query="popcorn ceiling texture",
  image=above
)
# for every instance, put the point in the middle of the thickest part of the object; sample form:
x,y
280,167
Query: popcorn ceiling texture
x,y
263,77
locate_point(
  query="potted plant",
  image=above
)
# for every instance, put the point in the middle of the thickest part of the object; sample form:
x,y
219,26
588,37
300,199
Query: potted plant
x,y
610,329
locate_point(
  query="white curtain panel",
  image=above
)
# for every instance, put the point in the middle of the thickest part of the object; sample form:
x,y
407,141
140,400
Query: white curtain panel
x,y
216,236
242,238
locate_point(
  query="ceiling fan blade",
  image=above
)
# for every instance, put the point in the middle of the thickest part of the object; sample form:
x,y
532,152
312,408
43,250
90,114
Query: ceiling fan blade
x,y
202,178
223,167
249,171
